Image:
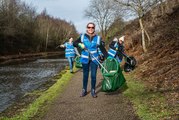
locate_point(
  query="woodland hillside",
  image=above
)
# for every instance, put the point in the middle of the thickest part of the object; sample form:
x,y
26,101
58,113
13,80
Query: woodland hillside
x,y
159,66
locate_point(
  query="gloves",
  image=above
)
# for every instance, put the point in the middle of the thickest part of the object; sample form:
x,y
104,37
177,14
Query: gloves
x,y
101,58
81,45
62,46
119,49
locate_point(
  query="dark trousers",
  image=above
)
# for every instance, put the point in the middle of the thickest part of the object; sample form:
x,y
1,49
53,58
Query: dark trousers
x,y
91,66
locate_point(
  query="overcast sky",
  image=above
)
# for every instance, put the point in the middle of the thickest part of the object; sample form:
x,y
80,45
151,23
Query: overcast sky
x,y
70,10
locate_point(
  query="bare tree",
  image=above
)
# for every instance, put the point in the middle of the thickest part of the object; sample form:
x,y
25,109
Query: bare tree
x,y
139,7
53,31
104,13
161,6
116,27
23,30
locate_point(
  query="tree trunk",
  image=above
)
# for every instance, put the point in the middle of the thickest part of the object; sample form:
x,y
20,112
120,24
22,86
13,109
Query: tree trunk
x,y
148,37
162,8
143,37
47,39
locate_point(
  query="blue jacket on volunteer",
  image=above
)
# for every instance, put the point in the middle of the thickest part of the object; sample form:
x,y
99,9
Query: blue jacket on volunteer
x,y
69,52
116,48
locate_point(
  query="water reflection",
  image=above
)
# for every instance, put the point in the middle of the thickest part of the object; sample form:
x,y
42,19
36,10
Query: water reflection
x,y
16,80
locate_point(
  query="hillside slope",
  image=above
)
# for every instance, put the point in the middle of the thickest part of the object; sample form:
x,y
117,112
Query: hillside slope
x,y
159,67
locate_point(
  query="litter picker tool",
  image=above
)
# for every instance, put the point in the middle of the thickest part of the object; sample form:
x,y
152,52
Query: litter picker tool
x,y
57,47
131,60
97,61
108,81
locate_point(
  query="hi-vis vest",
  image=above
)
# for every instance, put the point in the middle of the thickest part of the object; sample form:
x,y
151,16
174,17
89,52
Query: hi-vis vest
x,y
69,51
112,52
99,52
91,47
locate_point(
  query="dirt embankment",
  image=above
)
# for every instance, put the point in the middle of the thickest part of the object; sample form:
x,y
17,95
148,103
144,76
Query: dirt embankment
x,y
159,67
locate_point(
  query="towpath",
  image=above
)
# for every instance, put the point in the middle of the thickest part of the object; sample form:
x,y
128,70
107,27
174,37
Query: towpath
x,y
107,106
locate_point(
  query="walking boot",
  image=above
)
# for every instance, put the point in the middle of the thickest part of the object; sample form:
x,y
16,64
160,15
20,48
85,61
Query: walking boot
x,y
71,71
93,93
84,93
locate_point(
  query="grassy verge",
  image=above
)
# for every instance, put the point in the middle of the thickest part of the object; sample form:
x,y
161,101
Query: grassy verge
x,y
45,98
149,105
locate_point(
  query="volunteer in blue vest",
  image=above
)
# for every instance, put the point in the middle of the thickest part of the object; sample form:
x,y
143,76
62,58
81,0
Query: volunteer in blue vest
x,y
116,48
69,52
90,44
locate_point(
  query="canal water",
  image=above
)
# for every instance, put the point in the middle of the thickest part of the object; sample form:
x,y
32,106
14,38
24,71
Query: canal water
x,y
17,80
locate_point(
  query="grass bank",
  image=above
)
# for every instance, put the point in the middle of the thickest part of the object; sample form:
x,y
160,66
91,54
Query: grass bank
x,y
46,97
149,105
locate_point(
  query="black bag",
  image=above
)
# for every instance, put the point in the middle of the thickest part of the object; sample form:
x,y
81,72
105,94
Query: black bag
x,y
130,64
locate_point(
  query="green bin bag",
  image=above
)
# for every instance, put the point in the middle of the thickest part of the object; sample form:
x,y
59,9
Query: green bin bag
x,y
77,62
113,77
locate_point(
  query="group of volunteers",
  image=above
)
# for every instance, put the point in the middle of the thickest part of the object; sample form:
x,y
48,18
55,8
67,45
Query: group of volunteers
x,y
92,51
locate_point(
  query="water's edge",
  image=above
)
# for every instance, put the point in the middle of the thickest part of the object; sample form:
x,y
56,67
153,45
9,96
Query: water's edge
x,y
18,82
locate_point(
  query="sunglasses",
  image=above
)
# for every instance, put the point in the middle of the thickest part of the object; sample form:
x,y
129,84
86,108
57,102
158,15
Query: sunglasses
x,y
90,27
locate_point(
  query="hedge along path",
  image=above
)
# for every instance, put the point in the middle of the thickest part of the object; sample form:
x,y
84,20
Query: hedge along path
x,y
70,106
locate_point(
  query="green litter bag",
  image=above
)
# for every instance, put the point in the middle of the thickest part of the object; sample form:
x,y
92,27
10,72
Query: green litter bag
x,y
113,77
77,62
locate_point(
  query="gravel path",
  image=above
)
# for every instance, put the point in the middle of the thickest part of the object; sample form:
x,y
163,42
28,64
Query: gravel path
x,y
70,106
